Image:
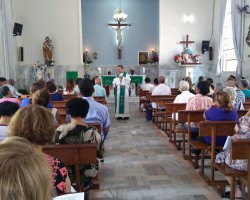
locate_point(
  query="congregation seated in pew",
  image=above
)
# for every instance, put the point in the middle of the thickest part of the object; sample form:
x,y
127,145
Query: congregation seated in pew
x,y
161,89
242,129
33,88
77,132
199,102
236,103
34,123
42,98
54,94
221,110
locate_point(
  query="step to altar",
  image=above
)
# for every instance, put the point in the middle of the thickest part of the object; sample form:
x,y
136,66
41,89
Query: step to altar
x,y
134,99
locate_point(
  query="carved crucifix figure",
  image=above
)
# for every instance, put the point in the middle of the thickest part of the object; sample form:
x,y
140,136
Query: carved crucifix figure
x,y
186,42
119,28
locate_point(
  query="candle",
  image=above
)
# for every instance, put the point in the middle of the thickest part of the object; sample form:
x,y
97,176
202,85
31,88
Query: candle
x,y
143,70
100,70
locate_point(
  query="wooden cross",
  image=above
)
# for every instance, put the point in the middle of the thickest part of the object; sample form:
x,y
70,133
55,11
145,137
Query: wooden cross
x,y
186,42
119,29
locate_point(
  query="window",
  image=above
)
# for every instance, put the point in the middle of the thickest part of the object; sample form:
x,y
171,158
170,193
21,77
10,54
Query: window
x,y
229,57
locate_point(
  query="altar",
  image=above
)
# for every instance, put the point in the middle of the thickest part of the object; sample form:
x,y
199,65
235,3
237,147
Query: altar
x,y
135,79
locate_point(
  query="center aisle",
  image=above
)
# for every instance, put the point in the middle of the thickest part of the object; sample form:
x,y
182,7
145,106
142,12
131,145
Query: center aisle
x,y
140,163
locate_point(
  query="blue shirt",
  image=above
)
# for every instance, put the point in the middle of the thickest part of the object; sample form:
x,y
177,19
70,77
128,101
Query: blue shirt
x,y
56,97
26,102
97,113
217,114
99,91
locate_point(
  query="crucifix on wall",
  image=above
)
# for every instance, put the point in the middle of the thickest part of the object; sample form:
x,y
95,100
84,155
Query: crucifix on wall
x,y
120,17
186,42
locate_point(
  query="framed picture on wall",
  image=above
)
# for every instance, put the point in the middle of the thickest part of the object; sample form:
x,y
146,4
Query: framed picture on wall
x,y
143,57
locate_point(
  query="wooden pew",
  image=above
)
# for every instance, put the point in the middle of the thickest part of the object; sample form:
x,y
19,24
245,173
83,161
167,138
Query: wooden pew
x,y
240,149
246,105
142,93
242,113
74,154
100,99
97,125
170,118
247,100
57,104
174,91
69,96
189,116
213,129
160,101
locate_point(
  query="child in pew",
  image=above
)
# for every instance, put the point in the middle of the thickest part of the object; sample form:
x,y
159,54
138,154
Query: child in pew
x,y
242,129
78,132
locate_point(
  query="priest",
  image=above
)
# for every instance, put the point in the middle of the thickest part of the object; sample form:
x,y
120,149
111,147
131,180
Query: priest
x,y
121,84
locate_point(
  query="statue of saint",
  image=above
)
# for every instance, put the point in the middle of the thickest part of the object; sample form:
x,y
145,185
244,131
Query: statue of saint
x,y
47,51
119,34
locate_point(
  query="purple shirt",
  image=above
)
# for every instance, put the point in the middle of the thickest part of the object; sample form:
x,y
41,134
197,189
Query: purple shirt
x,y
217,114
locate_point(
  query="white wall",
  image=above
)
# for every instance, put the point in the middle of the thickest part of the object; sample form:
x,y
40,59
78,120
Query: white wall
x,y
173,30
58,19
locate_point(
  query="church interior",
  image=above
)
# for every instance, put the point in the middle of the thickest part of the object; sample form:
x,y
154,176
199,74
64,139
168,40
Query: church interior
x,y
169,38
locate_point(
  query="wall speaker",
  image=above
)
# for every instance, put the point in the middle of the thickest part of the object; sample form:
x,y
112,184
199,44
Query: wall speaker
x,y
20,54
210,53
17,29
204,46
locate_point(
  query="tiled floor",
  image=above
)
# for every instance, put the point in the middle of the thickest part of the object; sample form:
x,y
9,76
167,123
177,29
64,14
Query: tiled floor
x,y
140,163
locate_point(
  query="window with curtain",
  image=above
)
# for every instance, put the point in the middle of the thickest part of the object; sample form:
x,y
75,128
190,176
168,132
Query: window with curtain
x,y
229,57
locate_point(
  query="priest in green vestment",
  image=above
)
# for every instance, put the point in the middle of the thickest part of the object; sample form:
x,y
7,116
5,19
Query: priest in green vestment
x,y
121,84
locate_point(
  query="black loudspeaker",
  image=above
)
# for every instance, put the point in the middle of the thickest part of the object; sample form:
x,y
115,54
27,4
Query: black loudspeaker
x,y
20,54
204,46
17,29
210,53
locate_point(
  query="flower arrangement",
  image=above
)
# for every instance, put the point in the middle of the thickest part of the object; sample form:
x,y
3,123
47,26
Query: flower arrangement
x,y
39,71
154,57
187,56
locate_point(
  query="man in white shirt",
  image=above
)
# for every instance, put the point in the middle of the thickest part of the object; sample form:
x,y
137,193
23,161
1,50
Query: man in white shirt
x,y
147,86
161,89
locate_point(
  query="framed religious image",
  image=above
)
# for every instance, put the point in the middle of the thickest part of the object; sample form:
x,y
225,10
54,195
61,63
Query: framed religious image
x,y
143,57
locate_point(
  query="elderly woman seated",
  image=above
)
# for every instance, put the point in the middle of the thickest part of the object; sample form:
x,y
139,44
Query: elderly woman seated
x,y
236,103
242,129
185,93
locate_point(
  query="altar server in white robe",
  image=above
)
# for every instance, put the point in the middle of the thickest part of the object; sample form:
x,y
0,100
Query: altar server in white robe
x,y
121,84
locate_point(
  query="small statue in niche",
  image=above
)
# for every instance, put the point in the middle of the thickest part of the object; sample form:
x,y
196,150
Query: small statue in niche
x,y
47,51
